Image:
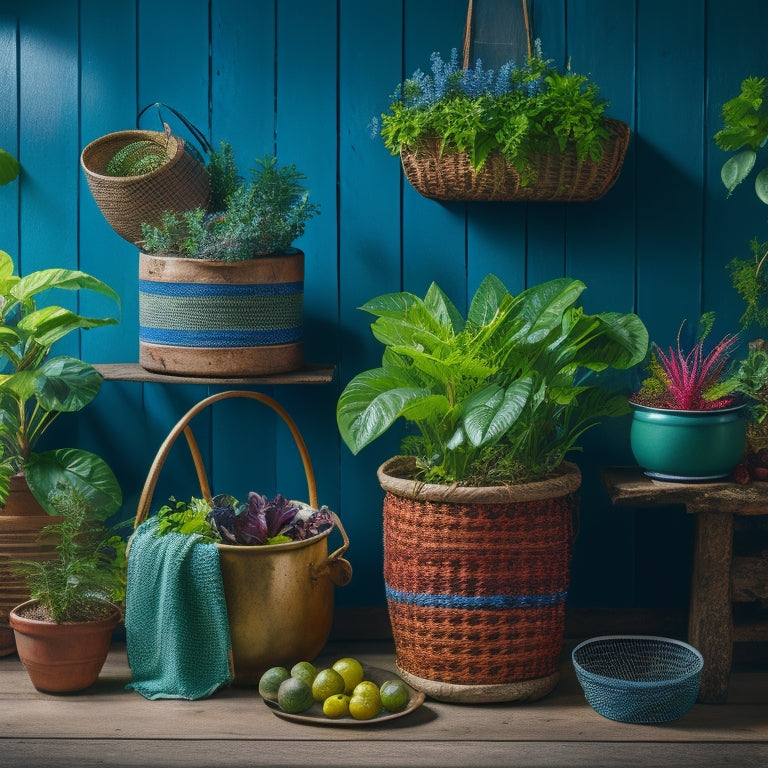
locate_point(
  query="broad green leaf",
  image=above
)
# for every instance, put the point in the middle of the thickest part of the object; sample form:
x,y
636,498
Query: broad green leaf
x,y
737,168
21,384
492,411
9,167
430,408
7,278
761,185
617,341
8,337
370,404
66,384
46,326
542,308
395,305
392,332
443,310
486,301
67,279
88,474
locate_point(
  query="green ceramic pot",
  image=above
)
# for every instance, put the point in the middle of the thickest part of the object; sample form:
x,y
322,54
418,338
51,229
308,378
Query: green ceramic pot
x,y
687,446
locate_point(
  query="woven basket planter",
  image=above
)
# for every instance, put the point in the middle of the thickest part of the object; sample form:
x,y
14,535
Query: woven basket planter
x,y
560,177
127,202
207,318
476,582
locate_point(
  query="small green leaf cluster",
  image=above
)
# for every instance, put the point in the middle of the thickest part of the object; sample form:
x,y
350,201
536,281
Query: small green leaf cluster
x,y
750,283
90,562
501,395
260,217
745,132
519,112
187,518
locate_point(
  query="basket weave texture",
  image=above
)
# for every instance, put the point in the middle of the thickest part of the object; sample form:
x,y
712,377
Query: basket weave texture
x,y
638,679
127,202
476,592
559,177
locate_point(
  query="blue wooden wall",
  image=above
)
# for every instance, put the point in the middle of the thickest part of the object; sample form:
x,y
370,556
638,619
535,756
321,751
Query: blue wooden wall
x,y
303,79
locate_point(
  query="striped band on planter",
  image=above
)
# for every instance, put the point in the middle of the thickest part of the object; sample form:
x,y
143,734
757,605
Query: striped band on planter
x,y
220,315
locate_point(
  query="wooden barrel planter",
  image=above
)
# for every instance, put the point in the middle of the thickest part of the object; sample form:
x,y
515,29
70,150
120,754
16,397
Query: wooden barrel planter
x,y
21,521
476,582
209,318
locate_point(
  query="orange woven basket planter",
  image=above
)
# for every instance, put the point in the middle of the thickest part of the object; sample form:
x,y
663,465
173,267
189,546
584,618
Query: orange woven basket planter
x,y
559,177
476,582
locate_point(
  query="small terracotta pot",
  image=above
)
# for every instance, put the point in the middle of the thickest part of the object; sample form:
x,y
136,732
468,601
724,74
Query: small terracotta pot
x,y
62,658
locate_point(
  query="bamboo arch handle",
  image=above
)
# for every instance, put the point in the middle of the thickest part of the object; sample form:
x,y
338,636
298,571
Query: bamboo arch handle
x,y
183,426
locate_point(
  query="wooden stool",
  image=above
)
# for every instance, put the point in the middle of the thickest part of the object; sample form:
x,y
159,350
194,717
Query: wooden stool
x,y
718,577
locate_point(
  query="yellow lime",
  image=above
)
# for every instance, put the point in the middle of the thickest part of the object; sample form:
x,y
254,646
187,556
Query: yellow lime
x,y
336,706
366,686
327,682
365,704
352,672
294,696
305,671
394,695
270,681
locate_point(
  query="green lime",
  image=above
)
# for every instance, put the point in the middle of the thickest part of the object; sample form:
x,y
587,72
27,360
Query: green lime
x,y
305,671
270,681
352,672
365,703
336,706
366,686
294,696
394,695
327,682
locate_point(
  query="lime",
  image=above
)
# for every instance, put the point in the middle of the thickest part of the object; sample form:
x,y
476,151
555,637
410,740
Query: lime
x,y
394,695
294,696
305,671
352,672
365,703
336,706
270,681
328,682
366,686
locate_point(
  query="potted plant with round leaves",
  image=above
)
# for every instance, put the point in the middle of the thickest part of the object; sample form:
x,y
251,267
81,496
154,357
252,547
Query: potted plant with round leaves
x,y
478,515
688,424
221,291
35,388
63,632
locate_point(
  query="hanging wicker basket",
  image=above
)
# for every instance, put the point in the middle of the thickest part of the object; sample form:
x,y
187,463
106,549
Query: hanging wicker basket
x,y
558,177
126,202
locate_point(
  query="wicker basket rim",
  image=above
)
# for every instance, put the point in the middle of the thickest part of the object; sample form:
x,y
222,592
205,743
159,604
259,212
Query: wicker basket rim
x,y
123,138
391,478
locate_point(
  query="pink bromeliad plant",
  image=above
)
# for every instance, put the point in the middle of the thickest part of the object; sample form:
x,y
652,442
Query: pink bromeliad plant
x,y
692,381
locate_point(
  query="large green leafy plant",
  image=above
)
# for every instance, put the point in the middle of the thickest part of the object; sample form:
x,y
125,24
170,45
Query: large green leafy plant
x,y
35,388
518,111
500,396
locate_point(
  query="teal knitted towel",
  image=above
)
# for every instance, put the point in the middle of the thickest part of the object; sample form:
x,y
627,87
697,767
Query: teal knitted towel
x,y
177,635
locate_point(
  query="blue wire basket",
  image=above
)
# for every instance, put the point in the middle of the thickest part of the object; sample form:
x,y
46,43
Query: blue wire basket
x,y
638,678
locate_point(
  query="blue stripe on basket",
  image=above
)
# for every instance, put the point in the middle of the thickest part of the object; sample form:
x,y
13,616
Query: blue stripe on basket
x,y
469,602
219,289
237,338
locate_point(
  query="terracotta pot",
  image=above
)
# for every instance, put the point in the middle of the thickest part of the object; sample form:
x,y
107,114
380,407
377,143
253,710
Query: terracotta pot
x,y
62,658
21,521
209,318
476,581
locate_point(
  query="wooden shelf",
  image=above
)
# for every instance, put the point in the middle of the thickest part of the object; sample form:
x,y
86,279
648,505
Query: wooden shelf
x,y
311,373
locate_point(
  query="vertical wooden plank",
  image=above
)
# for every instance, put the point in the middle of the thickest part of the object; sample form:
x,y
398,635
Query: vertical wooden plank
x,y
730,223
173,61
9,131
434,233
370,63
108,55
243,76
669,164
306,121
600,246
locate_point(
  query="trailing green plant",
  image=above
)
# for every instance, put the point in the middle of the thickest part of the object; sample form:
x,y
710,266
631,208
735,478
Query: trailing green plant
x,y
90,565
35,388
9,167
745,132
521,111
502,395
692,380
262,216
